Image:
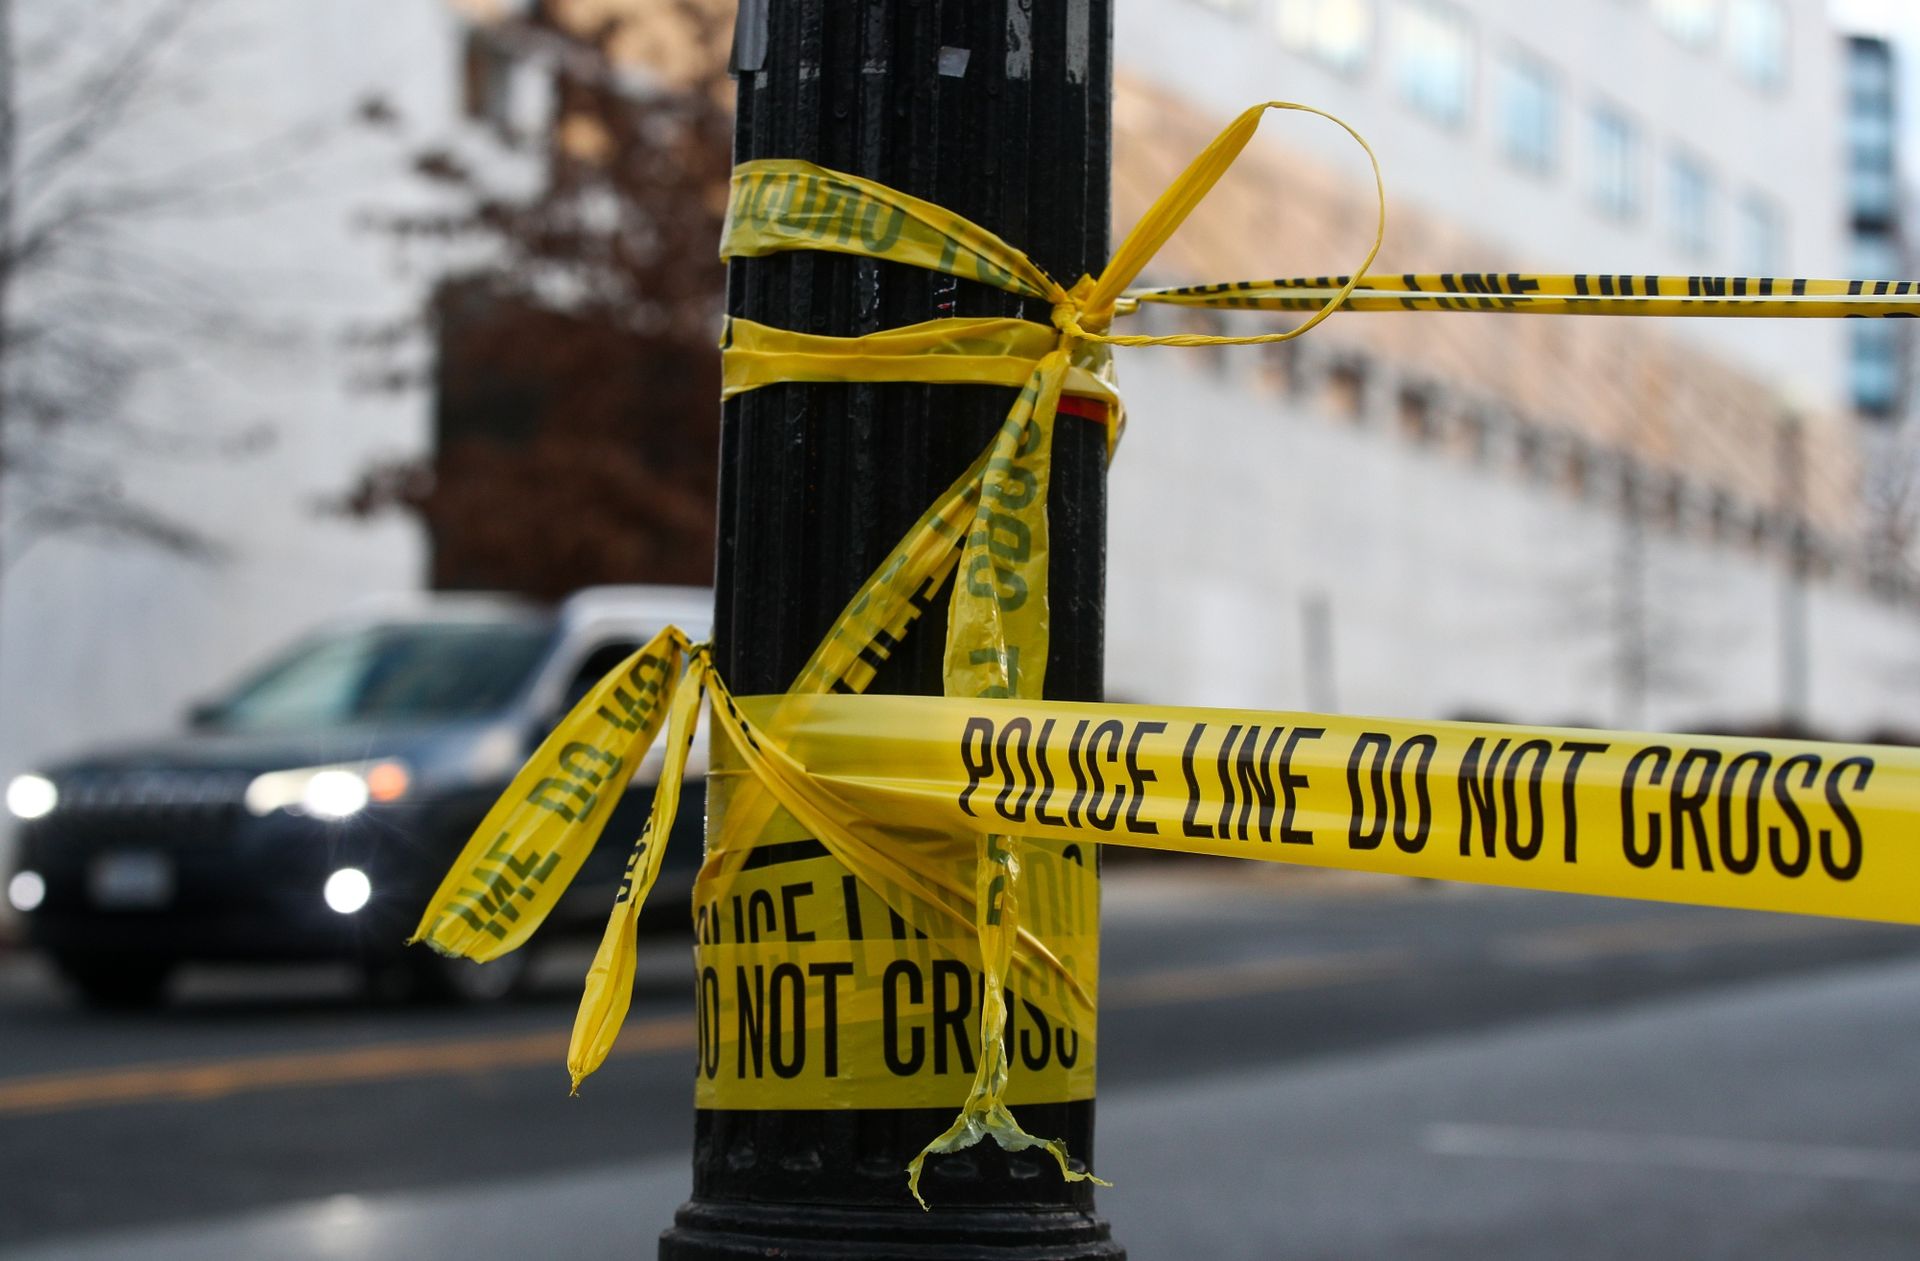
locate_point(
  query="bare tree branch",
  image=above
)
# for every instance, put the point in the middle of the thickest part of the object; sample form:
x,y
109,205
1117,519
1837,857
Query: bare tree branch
x,y
101,98
574,365
110,304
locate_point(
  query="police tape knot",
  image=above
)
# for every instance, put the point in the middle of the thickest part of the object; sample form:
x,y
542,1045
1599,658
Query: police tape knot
x,y
1071,317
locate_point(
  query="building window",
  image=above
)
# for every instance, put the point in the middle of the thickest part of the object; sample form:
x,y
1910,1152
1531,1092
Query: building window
x,y
1870,194
1692,22
1870,139
1875,345
1346,389
486,82
1616,163
1869,75
1529,114
1874,370
1762,238
1758,32
1337,33
1872,188
1419,421
1692,190
1433,59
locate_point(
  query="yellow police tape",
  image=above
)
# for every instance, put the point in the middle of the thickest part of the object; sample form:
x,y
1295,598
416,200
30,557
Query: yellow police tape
x,y
1578,294
899,894
531,844
1772,825
814,993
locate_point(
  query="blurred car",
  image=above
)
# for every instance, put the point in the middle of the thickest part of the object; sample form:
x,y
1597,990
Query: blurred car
x,y
310,812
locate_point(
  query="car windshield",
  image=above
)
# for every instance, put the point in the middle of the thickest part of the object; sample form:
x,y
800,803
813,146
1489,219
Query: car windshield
x,y
388,674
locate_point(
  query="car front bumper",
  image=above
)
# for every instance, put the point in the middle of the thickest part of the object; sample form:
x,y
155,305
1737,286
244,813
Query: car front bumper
x,y
233,886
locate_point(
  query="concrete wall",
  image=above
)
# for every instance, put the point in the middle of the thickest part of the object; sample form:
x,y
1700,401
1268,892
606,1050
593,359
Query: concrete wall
x,y
1457,585
108,640
1469,586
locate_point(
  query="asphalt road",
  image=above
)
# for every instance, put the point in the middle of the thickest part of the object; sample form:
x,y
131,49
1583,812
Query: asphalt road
x,y
1290,1065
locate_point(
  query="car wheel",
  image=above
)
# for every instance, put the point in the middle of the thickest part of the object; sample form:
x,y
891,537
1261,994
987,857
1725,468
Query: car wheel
x,y
117,984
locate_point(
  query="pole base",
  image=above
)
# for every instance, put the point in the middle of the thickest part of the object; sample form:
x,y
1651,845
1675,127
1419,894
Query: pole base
x,y
707,1230
831,1185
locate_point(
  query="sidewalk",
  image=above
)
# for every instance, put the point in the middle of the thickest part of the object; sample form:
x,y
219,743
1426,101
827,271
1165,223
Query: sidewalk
x,y
1768,1121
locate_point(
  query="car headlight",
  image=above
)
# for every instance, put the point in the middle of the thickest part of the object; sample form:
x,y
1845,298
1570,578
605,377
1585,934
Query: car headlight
x,y
26,891
327,792
31,796
347,890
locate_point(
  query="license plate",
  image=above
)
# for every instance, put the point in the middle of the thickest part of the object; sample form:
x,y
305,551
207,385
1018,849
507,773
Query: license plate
x,y
131,881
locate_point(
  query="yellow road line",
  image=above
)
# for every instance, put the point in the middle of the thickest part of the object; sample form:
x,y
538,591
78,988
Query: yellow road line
x,y
60,1092
145,1083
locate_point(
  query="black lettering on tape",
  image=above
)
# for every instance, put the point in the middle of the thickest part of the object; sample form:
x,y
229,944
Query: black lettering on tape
x,y
1111,730
708,1018
1659,755
978,766
1074,747
578,759
1742,861
787,1008
1221,763
1139,776
1040,756
1536,810
1576,751
1478,796
1863,771
1188,826
1688,804
950,1013
1367,827
850,899
1254,773
830,974
1017,731
1412,842
908,1064
790,895
1290,783
544,796
1035,1043
750,1034
760,914
1803,837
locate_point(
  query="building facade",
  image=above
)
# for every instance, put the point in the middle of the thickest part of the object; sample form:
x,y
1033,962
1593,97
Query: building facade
x,y
1646,522
1547,520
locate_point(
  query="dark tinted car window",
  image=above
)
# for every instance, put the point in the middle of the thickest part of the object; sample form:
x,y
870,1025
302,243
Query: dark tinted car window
x,y
396,673
595,666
